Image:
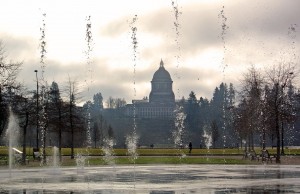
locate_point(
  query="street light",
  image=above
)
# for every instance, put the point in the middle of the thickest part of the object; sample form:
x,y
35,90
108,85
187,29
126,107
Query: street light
x,y
37,110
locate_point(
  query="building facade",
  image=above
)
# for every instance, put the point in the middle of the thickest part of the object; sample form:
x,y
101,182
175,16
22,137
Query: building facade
x,y
161,101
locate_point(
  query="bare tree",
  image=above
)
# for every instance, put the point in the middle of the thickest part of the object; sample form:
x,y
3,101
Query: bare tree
x,y
110,102
22,109
98,101
8,75
115,102
251,106
73,96
120,102
241,121
279,76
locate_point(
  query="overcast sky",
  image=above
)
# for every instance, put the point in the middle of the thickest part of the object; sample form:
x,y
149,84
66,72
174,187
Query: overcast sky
x,y
257,33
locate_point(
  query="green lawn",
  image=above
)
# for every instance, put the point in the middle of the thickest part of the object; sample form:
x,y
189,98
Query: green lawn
x,y
170,160
150,156
151,152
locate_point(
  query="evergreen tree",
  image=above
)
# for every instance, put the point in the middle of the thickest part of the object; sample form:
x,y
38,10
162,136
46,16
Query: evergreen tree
x,y
98,101
214,132
240,123
219,104
110,132
232,136
55,113
192,113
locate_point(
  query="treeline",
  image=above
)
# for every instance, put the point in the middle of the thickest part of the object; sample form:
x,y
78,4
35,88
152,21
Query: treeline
x,y
212,117
263,111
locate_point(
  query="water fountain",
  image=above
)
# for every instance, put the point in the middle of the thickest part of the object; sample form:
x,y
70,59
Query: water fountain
x,y
80,162
89,75
53,165
178,132
132,138
12,134
207,140
108,151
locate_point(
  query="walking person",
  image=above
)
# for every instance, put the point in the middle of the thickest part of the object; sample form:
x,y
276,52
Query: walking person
x,y
190,147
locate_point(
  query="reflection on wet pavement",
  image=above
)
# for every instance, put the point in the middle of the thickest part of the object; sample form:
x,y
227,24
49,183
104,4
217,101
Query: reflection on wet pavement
x,y
165,179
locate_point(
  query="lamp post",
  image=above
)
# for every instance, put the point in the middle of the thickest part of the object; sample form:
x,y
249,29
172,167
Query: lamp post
x,y
37,110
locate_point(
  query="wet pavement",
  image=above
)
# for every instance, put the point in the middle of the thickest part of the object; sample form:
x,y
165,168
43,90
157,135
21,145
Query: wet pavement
x,y
158,179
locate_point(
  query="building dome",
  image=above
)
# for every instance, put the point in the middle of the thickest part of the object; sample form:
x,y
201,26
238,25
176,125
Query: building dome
x,y
161,86
161,74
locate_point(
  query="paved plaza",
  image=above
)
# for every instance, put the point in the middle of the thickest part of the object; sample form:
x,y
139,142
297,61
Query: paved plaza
x,y
158,179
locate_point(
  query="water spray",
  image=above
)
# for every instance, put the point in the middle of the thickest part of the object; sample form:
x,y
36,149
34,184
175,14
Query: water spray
x,y
224,27
132,139
89,77
43,119
177,26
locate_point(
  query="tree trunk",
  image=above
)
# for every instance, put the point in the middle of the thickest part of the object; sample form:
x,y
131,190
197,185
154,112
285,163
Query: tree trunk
x,y
264,139
59,134
37,115
241,144
95,136
2,115
24,139
278,137
44,144
282,139
72,133
276,106
252,141
249,141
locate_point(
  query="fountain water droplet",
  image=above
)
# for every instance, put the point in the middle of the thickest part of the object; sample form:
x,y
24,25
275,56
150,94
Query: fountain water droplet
x,y
43,44
132,139
224,27
131,142
89,77
43,123
179,130
88,53
12,135
80,162
207,136
108,151
177,25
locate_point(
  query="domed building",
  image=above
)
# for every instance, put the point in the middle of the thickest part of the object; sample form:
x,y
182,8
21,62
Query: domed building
x,y
161,102
161,86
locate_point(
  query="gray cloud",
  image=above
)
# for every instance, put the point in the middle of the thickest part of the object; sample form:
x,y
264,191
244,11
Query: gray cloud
x,y
17,48
115,28
257,33
252,37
